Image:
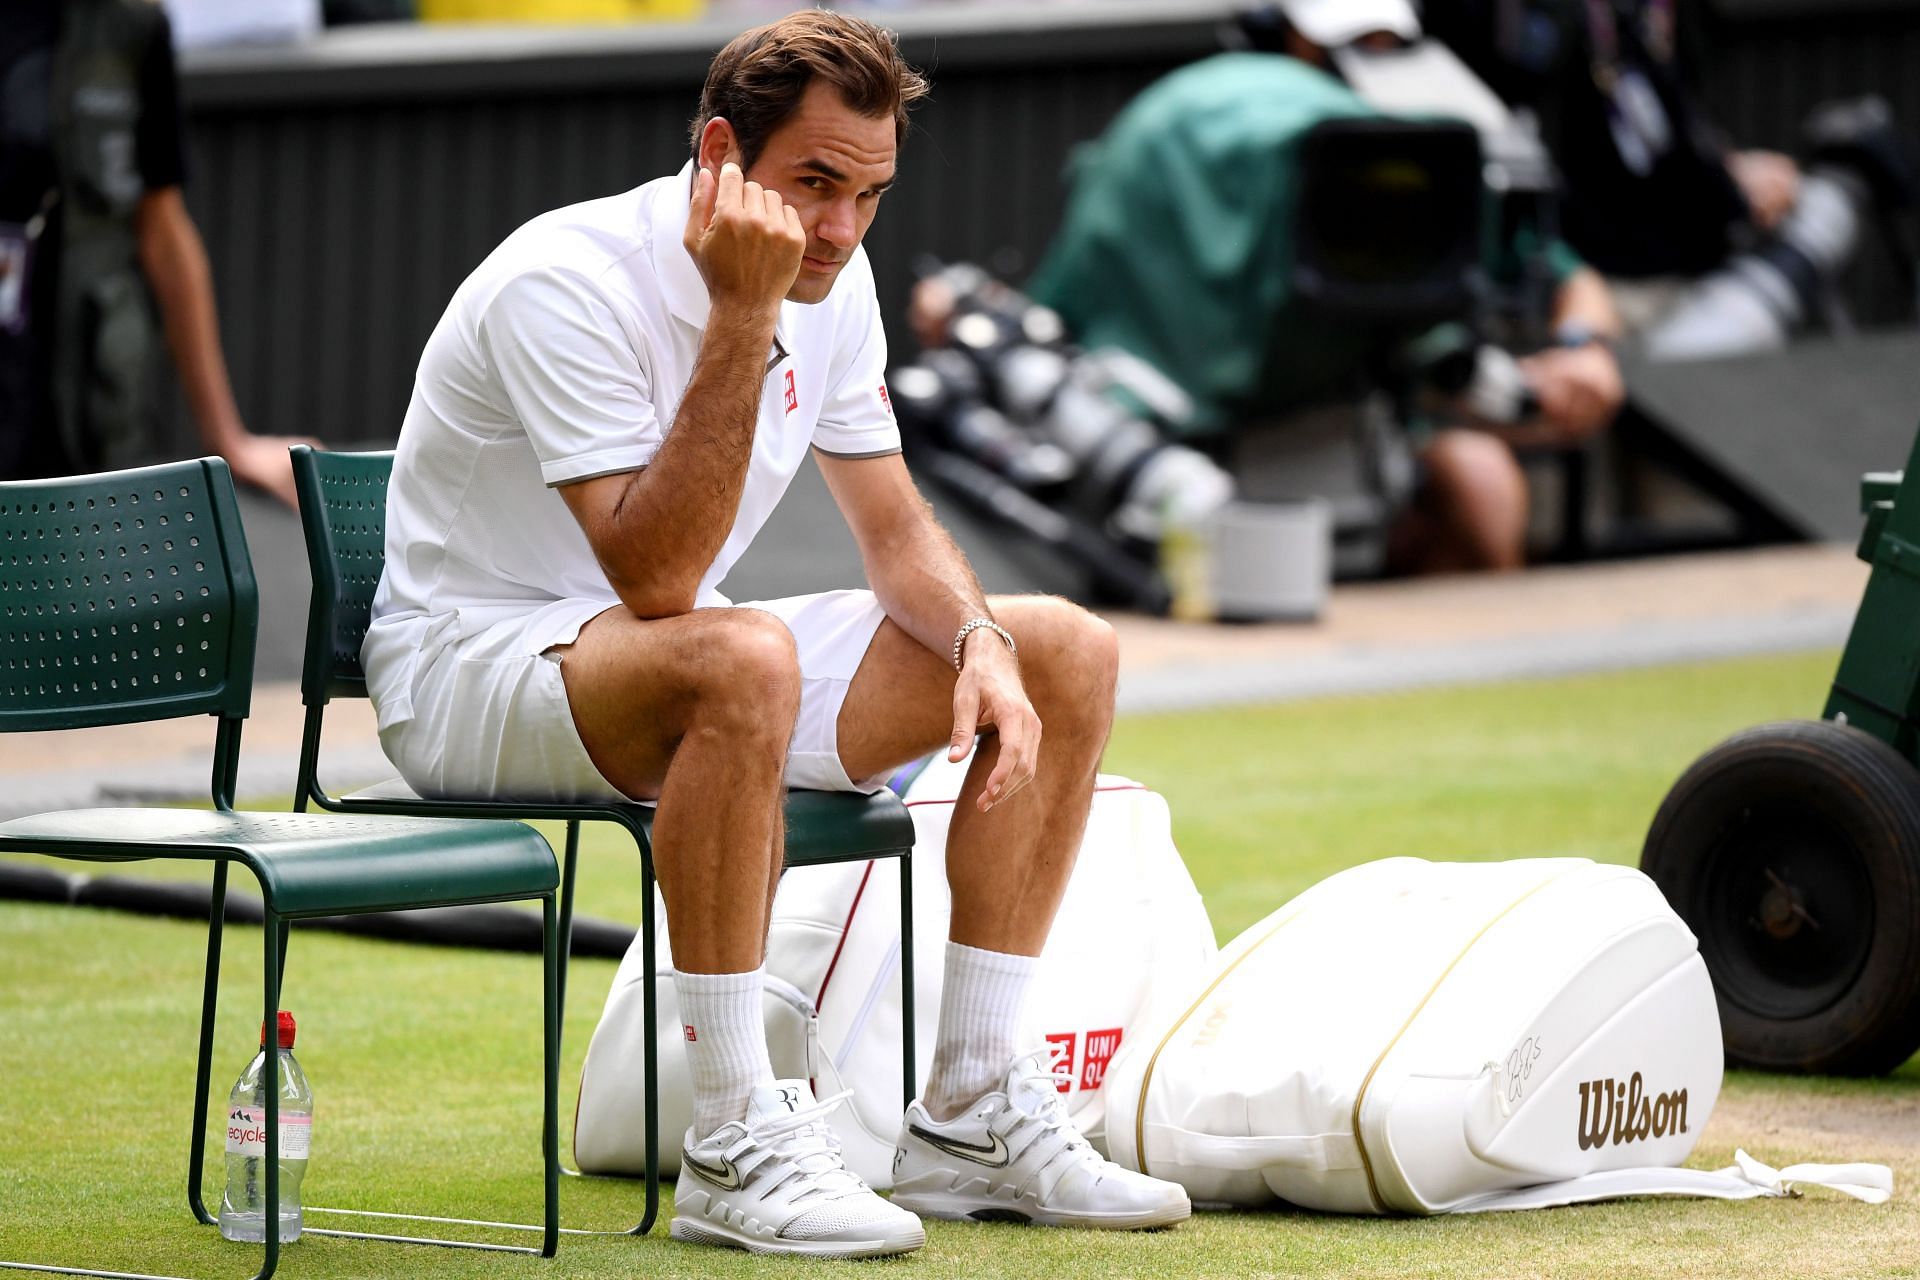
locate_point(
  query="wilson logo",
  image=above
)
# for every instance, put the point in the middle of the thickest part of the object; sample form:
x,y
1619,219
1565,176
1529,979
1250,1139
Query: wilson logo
x,y
1621,1111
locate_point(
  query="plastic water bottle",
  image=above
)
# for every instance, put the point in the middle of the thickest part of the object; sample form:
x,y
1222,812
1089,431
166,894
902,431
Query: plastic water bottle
x,y
243,1211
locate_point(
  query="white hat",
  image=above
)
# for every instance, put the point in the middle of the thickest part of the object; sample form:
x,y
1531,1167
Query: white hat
x,y
1333,23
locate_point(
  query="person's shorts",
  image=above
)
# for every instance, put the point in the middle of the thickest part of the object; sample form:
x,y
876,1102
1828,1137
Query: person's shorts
x,y
491,719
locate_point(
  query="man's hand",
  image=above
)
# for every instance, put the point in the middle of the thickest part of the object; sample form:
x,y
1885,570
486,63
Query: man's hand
x,y
263,462
1770,182
745,239
929,310
1580,390
989,693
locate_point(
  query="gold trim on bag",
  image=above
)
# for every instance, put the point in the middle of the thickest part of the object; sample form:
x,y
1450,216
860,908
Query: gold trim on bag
x,y
1140,1111
1373,1187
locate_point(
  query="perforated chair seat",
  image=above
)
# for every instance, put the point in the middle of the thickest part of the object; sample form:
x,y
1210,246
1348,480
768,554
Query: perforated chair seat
x,y
312,865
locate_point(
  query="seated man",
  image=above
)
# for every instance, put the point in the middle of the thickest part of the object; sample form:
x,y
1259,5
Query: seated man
x,y
1173,248
608,411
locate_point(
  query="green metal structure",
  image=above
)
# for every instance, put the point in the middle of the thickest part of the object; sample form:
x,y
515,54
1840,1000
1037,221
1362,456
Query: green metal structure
x,y
129,597
1793,849
1877,688
343,504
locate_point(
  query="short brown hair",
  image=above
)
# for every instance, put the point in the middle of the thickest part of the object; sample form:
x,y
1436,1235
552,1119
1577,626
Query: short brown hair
x,y
757,81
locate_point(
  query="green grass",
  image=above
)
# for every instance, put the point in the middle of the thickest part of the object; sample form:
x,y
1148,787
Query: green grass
x,y
425,1062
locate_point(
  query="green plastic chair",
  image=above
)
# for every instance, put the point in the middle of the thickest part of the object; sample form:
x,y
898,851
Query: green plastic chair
x,y
129,596
343,509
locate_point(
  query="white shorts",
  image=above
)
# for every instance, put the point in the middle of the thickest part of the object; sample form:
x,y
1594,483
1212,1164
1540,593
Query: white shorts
x,y
491,719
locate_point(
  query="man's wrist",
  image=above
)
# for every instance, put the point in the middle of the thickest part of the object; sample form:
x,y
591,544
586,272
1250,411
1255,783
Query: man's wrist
x,y
742,316
975,629
1572,335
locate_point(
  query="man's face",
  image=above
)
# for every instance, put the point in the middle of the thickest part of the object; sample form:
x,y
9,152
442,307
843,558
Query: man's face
x,y
831,164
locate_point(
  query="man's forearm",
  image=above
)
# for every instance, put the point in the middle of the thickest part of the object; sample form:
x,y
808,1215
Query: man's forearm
x,y
1584,302
175,263
674,516
923,581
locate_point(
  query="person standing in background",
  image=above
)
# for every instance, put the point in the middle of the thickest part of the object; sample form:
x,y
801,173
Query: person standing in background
x,y
95,238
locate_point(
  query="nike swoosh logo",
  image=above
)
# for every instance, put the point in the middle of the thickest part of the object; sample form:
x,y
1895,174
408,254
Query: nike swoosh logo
x,y
994,1155
725,1175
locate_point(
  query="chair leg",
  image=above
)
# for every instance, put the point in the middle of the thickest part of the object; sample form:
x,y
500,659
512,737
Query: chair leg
x,y
555,937
567,869
651,1057
908,1057
550,1229
274,937
216,921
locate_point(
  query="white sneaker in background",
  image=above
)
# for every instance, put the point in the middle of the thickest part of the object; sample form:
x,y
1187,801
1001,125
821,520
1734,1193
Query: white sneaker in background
x,y
775,1183
1013,1156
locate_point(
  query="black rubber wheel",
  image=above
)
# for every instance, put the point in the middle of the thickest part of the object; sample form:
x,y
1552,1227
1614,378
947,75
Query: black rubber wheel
x,y
1792,851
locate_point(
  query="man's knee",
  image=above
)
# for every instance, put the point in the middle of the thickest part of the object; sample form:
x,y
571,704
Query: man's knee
x,y
1482,493
746,673
1069,657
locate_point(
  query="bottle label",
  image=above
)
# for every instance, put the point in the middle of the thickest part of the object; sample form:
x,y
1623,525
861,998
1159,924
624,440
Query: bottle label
x,y
247,1133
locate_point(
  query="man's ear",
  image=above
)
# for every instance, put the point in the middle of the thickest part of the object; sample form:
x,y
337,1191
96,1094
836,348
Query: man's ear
x,y
718,145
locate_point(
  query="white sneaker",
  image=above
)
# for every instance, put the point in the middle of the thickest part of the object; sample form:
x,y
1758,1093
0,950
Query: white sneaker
x,y
775,1183
1013,1156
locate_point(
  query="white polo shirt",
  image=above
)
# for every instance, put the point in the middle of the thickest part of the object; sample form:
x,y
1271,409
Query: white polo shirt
x,y
564,356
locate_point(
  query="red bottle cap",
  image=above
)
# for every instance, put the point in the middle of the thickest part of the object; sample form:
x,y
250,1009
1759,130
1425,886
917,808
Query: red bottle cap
x,y
286,1030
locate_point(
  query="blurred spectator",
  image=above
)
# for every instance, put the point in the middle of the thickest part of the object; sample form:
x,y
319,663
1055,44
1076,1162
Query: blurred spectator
x,y
1174,249
94,233
1657,197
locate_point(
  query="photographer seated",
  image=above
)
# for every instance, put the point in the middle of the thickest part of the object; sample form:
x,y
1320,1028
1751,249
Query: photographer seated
x,y
1176,248
1711,250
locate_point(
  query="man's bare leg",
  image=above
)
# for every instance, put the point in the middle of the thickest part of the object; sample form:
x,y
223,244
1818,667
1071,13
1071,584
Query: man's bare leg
x,y
1471,514
697,711
1008,867
985,1139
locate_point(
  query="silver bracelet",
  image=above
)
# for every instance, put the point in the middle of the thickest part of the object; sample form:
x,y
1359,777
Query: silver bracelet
x,y
981,624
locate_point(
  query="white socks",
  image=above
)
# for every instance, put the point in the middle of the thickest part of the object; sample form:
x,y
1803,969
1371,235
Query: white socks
x,y
726,1036
980,1008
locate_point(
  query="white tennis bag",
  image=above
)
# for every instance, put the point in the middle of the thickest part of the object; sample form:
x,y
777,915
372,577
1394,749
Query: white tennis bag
x,y
1415,1037
1131,921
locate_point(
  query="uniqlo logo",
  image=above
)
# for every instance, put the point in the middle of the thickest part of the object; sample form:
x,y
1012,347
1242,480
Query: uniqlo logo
x,y
885,403
793,396
688,1028
1063,1044
1101,1046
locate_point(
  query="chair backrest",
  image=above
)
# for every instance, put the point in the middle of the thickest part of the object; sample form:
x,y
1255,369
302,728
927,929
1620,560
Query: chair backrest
x,y
343,513
125,596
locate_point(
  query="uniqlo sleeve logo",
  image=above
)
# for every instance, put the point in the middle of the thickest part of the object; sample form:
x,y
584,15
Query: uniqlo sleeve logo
x,y
688,1028
885,402
793,396
1101,1046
